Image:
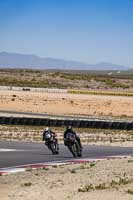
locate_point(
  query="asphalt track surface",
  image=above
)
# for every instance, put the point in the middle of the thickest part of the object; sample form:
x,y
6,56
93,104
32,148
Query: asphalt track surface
x,y
21,153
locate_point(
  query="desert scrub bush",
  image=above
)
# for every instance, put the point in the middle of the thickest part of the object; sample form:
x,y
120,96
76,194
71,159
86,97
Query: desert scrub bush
x,y
92,164
130,161
114,183
124,181
20,128
114,83
86,188
14,95
82,167
101,186
54,166
121,181
72,102
26,184
73,77
89,187
73,171
45,168
130,191
28,169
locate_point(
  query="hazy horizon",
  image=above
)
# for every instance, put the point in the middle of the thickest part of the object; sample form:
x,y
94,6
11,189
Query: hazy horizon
x,y
81,30
15,60
32,54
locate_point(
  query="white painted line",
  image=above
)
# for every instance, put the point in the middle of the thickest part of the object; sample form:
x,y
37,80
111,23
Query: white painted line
x,y
5,150
9,150
13,170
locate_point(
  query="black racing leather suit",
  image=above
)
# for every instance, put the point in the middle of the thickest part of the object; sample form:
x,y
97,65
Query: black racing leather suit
x,y
74,133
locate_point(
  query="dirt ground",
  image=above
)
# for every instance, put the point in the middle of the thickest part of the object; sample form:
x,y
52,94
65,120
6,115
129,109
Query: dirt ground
x,y
102,180
67,104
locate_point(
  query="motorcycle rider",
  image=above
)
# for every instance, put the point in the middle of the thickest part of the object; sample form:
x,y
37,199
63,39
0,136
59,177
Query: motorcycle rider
x,y
70,130
48,131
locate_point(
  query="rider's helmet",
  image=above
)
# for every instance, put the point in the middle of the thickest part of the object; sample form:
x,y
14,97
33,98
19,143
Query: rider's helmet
x,y
69,128
47,129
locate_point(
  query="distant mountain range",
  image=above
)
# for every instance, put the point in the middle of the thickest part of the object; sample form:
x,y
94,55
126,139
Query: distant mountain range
x,y
15,60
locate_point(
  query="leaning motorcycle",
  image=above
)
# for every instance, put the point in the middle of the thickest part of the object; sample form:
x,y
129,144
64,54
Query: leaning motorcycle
x,y
73,146
51,143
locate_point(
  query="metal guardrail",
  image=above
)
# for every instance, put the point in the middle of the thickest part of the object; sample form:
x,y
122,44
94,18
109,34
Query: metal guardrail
x,y
32,89
113,92
61,122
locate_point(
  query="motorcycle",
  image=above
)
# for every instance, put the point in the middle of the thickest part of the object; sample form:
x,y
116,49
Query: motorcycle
x,y
73,146
51,143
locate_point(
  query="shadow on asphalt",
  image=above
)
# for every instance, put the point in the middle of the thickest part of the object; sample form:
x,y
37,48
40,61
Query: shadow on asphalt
x,y
42,154
66,157
51,155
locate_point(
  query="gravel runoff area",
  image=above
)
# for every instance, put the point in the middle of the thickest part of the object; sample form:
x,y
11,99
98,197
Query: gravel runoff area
x,y
67,104
100,180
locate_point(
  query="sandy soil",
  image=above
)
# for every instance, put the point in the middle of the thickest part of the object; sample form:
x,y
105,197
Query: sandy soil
x,y
102,180
67,104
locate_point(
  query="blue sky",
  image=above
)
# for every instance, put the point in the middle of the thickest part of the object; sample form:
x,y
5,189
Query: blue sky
x,y
91,31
